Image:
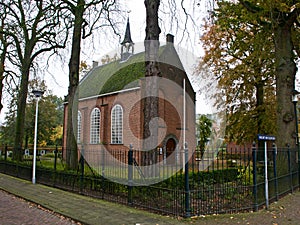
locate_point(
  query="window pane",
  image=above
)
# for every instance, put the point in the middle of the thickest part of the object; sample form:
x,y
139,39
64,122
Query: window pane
x,y
95,127
79,127
117,125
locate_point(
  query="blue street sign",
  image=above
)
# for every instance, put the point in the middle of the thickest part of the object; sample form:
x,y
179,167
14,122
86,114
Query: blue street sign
x,y
263,137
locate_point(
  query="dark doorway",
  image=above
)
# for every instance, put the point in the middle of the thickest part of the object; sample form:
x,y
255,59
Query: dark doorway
x,y
170,148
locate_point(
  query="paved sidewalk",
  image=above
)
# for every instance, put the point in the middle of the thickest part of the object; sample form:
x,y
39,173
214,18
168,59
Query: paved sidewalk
x,y
16,211
86,210
83,209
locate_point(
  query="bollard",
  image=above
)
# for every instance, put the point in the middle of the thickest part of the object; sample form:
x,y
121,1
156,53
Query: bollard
x,y
130,175
254,157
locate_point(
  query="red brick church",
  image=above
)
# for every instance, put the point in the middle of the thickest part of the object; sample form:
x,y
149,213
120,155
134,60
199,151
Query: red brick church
x,y
110,112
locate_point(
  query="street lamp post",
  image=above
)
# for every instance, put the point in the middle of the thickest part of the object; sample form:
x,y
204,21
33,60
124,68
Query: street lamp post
x,y
37,94
295,100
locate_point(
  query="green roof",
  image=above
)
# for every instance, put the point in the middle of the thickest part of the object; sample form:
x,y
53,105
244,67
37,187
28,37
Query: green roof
x,y
116,76
113,76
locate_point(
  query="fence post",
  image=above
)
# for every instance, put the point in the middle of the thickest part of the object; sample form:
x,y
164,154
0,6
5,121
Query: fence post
x,y
186,182
55,164
81,167
5,151
275,171
290,168
103,162
254,157
55,158
130,174
298,148
18,159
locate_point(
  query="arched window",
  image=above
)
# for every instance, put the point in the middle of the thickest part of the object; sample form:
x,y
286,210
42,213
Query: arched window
x,y
79,122
117,125
95,126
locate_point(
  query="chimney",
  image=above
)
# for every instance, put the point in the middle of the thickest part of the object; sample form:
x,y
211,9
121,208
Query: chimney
x,y
170,38
95,64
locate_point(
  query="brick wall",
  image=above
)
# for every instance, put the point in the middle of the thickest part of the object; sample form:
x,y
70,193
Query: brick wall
x,y
170,112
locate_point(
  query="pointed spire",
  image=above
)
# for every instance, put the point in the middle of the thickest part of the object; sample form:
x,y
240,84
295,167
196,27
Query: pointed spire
x,y
127,37
127,45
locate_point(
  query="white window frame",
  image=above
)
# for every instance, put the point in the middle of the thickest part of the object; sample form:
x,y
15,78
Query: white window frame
x,y
95,126
117,124
79,126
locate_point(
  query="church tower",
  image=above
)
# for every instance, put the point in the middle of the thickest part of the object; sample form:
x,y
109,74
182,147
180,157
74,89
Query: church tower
x,y
127,45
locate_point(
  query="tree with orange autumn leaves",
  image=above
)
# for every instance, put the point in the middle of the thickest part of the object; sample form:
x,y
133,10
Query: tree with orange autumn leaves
x,y
250,52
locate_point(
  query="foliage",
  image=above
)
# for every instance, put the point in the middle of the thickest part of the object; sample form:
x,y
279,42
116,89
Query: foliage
x,y
204,125
32,28
246,175
50,119
240,56
201,178
107,59
83,68
56,137
281,19
7,130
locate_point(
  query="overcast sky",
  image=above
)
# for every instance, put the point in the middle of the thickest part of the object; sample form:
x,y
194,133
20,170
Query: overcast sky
x,y
57,79
94,50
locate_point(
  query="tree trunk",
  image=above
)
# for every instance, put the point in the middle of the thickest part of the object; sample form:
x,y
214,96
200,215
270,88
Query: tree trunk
x,y
285,84
1,87
71,143
2,61
260,117
20,119
150,87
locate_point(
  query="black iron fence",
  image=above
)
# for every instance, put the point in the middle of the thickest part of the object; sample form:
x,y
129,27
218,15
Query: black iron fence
x,y
182,184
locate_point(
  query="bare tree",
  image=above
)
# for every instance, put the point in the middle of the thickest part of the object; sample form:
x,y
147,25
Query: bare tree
x,y
177,17
4,44
150,86
34,27
87,15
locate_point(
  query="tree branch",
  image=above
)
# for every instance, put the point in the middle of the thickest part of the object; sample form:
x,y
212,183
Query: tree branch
x,y
250,6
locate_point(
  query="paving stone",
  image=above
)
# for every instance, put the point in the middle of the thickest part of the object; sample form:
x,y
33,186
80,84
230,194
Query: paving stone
x,y
83,209
58,206
14,210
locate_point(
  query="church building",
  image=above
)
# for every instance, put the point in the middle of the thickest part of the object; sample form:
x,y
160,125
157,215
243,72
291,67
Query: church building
x,y
110,106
